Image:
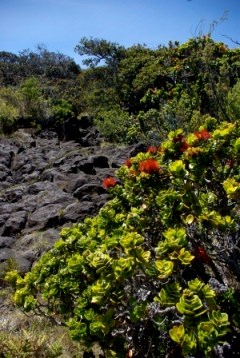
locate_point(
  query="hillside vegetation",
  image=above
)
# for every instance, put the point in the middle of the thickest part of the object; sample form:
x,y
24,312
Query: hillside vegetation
x,y
156,272
134,93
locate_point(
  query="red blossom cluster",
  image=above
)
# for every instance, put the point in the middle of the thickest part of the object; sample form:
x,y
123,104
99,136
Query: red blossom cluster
x,y
178,138
109,182
148,166
152,149
128,163
203,134
182,140
184,146
202,255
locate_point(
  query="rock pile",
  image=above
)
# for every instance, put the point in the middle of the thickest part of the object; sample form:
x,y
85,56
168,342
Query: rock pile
x,y
46,184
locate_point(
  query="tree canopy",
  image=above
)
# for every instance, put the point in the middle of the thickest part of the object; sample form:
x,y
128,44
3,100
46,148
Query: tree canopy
x,y
98,50
157,90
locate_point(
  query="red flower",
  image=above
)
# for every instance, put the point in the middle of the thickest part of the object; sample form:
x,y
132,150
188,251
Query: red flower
x,y
202,255
152,149
109,182
179,138
149,166
184,146
203,134
128,163
182,140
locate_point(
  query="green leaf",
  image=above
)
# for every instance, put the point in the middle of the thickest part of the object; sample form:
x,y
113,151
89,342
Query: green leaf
x,y
195,285
177,168
176,238
123,267
130,240
177,333
169,295
188,219
164,268
99,290
185,256
207,336
138,311
189,343
190,304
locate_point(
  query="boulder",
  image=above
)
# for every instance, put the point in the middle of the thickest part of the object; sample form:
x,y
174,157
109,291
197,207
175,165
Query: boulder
x,y
15,223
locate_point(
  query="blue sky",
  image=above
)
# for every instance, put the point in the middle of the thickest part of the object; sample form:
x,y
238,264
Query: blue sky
x,y
60,24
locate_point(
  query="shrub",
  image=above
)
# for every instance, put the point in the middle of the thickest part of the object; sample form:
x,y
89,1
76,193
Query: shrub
x,y
148,275
115,125
33,104
8,117
62,109
9,110
233,102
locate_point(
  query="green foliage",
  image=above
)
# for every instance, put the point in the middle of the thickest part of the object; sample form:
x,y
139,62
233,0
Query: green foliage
x,y
61,109
9,110
99,50
151,253
30,91
7,117
148,92
233,101
107,122
163,89
43,63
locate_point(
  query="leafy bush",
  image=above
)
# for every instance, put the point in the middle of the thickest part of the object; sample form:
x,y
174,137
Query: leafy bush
x,y
147,276
34,107
116,125
62,109
233,100
8,117
9,110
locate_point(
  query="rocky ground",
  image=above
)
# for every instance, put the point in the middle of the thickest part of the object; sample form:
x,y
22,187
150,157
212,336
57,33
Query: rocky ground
x,y
50,180
46,184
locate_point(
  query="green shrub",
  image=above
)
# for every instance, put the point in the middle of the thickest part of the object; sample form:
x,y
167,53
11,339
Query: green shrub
x,y
146,275
116,125
61,109
9,110
8,116
33,105
233,102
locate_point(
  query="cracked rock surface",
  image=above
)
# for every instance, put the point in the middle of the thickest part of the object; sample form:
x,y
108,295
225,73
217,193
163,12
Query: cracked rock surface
x,y
46,184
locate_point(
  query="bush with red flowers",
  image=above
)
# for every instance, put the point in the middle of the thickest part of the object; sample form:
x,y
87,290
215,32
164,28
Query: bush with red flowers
x,y
156,272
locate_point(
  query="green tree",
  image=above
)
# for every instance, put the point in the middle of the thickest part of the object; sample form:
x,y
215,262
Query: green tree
x,y
98,50
32,99
9,69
